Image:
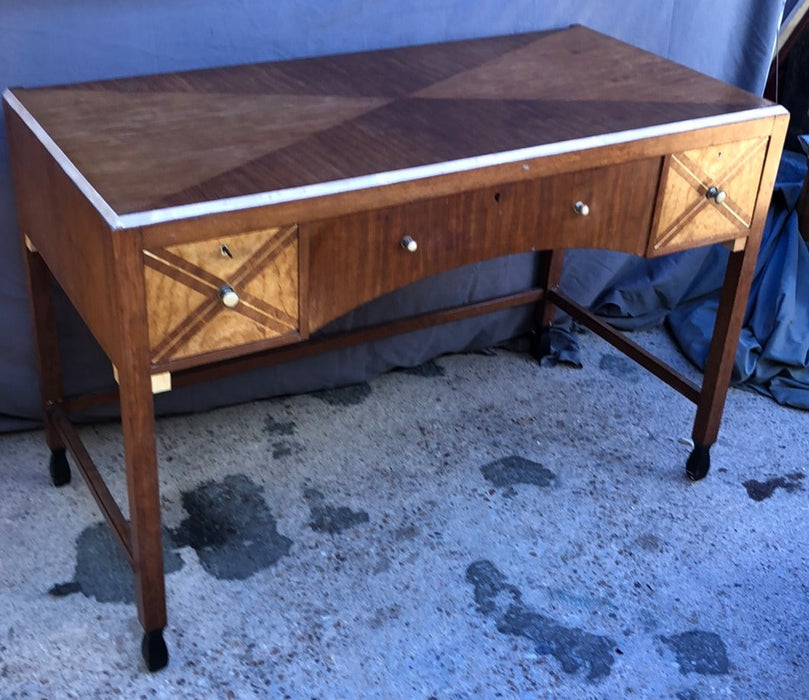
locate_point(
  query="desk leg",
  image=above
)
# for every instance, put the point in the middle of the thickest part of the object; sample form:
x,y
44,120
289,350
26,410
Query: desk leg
x,y
137,422
722,352
47,354
549,272
138,427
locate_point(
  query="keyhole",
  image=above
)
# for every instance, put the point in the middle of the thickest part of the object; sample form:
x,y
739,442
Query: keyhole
x,y
225,251
497,197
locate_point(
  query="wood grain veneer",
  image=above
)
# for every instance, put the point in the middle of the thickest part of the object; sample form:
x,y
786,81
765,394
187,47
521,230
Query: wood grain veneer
x,y
183,283
67,231
381,111
358,258
687,217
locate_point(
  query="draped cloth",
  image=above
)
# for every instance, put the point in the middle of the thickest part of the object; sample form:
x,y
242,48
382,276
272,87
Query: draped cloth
x,y
773,353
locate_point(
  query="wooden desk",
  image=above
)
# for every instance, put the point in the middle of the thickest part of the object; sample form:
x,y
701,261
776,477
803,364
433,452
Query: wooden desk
x,y
206,222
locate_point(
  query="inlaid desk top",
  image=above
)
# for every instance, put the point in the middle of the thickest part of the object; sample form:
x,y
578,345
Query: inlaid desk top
x,y
164,147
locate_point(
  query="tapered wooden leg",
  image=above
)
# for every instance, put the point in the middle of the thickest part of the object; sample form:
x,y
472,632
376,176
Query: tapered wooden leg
x,y
721,355
549,272
138,426
137,420
46,349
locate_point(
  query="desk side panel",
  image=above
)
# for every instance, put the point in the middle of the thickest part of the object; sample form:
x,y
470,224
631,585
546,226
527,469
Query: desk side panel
x,y
66,230
775,146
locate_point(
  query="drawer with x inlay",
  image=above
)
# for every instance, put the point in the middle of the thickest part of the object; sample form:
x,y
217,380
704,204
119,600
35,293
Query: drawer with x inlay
x,y
221,294
708,194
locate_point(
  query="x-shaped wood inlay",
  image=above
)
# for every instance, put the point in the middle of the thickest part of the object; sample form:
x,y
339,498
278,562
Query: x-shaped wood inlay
x,y
168,263
701,181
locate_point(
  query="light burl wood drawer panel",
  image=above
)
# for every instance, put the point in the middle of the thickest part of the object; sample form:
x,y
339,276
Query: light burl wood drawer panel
x,y
687,215
187,316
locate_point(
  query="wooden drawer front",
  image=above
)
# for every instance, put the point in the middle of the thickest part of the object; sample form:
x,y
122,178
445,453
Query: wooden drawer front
x,y
686,216
357,258
187,317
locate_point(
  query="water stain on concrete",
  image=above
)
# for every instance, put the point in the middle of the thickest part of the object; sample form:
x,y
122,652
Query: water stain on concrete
x,y
650,542
280,430
384,616
406,532
574,648
761,490
330,519
102,572
427,370
284,448
351,395
512,470
699,652
618,366
231,528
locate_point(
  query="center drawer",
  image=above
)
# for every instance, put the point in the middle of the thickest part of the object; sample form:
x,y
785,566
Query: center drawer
x,y
217,295
357,258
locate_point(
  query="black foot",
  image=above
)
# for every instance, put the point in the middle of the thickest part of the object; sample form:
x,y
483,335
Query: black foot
x,y
699,462
59,468
154,650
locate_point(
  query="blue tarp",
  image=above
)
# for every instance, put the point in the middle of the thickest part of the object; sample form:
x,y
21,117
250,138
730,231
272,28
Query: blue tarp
x,y
773,353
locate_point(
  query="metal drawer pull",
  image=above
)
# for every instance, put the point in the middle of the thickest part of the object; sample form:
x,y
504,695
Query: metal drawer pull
x,y
228,296
581,208
716,194
409,244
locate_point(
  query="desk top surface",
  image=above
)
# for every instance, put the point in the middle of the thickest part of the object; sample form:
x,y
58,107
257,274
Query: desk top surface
x,y
172,140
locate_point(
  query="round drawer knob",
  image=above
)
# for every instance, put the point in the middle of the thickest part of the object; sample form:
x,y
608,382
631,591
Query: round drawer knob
x,y
581,208
716,194
409,244
228,296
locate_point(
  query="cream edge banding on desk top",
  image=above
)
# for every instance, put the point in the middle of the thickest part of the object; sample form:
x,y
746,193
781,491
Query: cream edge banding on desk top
x,y
59,156
361,182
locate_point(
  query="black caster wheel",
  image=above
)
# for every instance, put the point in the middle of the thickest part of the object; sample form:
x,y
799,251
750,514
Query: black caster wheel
x,y
154,650
59,468
699,462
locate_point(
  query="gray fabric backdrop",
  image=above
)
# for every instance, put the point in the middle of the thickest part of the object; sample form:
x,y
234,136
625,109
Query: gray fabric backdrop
x,y
51,41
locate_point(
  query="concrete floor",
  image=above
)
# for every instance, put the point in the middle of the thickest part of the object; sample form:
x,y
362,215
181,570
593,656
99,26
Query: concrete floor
x,y
479,527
